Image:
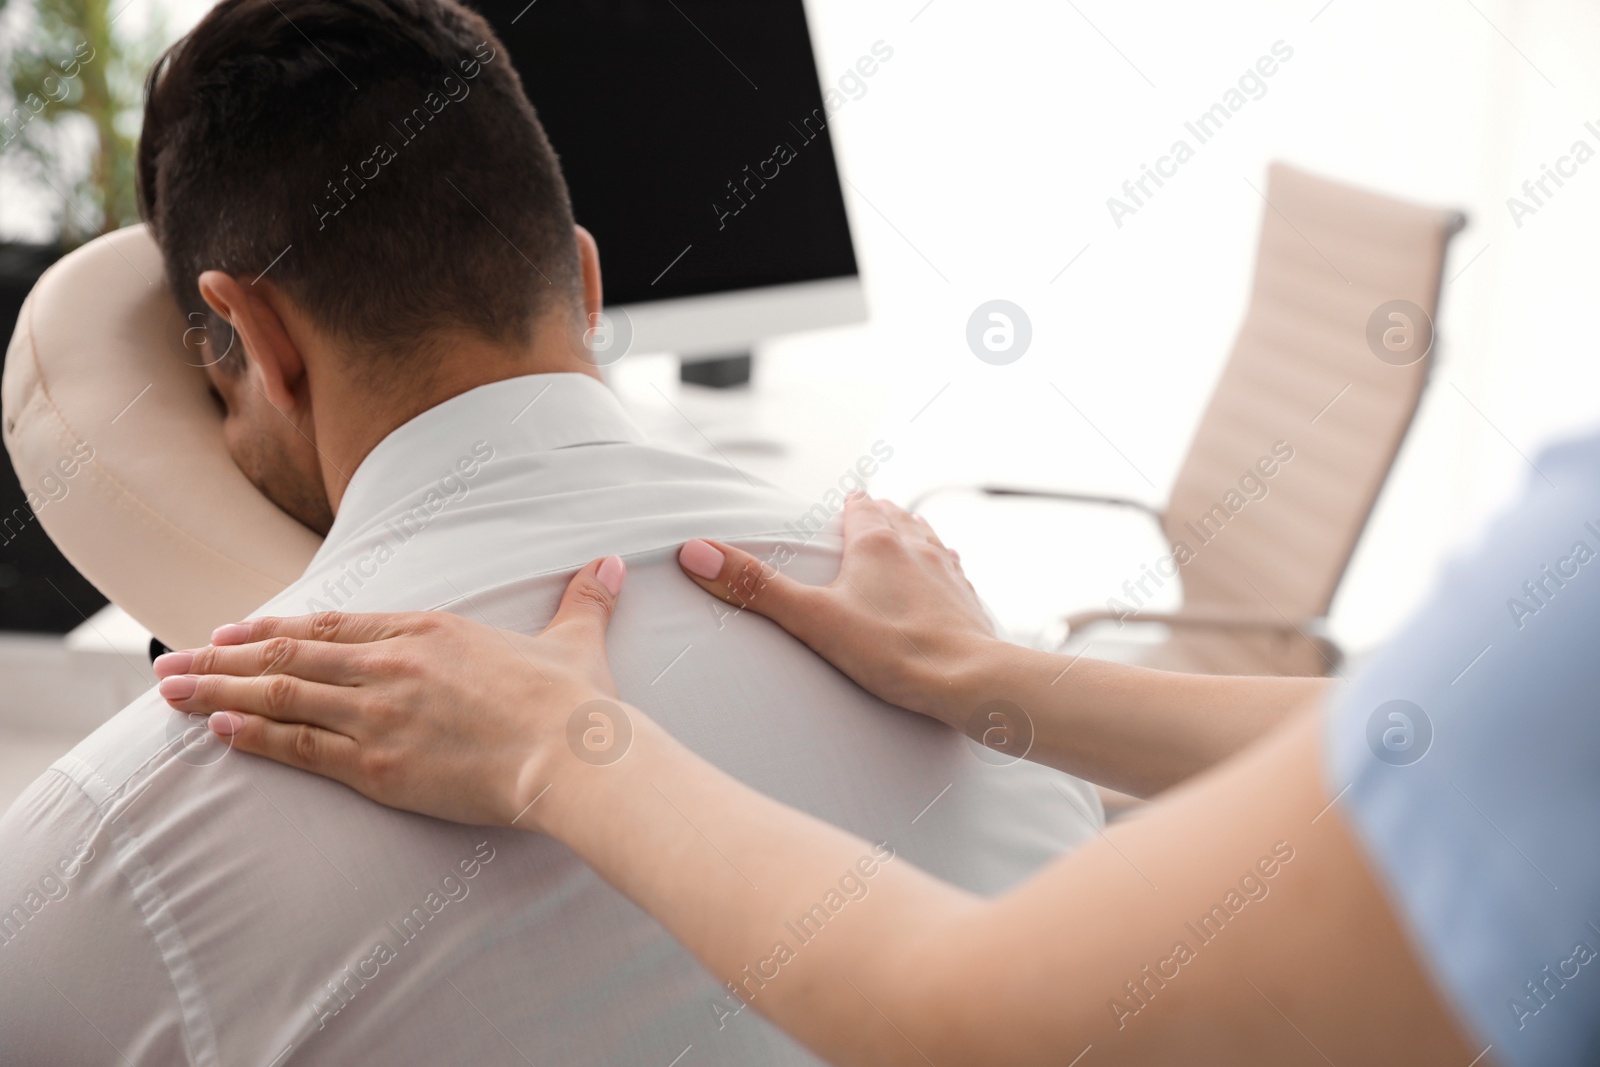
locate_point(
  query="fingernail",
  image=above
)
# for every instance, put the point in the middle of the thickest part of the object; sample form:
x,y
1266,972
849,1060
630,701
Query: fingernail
x,y
611,572
224,723
235,633
179,686
701,559
170,663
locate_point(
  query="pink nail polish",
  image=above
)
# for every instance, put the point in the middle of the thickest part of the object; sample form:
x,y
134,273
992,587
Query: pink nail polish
x,y
171,663
224,723
702,559
179,686
235,633
612,571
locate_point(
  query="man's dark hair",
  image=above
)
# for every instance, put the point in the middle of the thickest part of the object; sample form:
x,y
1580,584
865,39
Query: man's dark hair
x,y
377,157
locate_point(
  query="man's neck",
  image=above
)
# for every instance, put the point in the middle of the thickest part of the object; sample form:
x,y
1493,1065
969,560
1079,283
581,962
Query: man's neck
x,y
352,415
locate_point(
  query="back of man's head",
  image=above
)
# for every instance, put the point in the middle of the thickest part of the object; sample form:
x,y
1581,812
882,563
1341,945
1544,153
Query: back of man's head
x,y
377,157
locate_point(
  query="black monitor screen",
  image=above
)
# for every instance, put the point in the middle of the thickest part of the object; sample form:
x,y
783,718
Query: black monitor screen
x,y
693,136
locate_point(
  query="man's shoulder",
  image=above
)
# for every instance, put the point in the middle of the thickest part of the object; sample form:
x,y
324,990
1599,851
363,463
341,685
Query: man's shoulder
x,y
55,821
526,515
78,907
126,747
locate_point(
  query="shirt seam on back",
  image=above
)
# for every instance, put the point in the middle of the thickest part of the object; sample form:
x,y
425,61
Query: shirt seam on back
x,y
198,1034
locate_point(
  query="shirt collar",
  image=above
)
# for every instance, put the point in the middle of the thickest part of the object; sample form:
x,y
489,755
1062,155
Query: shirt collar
x,y
546,411
530,414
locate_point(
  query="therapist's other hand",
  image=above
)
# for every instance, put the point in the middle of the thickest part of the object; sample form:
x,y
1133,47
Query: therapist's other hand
x,y
901,619
425,711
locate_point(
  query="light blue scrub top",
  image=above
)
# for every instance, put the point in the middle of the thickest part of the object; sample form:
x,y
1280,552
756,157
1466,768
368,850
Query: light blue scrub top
x,y
1471,751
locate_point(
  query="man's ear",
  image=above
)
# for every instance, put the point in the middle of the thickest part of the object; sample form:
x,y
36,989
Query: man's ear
x,y
271,353
589,271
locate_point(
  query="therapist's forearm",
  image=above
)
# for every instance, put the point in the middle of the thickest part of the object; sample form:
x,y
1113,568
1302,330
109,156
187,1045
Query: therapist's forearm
x,y
896,968
734,875
1130,728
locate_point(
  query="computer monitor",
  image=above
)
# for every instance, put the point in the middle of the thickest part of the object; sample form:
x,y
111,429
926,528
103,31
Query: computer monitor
x,y
695,140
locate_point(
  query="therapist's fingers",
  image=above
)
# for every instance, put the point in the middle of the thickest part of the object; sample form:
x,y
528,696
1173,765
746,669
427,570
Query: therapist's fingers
x,y
590,597
282,697
862,513
903,522
867,515
868,522
735,576
310,748
927,530
576,635
315,661
324,626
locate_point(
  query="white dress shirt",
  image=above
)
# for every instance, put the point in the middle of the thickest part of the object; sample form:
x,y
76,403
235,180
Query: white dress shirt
x,y
165,900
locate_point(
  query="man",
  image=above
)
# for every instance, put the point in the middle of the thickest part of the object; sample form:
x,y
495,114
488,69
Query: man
x,y
358,194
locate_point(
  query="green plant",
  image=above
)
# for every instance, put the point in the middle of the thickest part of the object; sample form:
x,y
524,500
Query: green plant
x,y
70,124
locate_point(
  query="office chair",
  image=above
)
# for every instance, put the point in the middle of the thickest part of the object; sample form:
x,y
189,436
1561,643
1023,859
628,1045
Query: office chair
x,y
1331,361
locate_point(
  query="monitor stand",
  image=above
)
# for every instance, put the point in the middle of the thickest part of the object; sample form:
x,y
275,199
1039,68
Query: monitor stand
x,y
718,372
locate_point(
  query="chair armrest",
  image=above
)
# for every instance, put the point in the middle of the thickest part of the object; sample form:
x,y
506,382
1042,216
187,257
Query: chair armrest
x,y
1039,494
1217,620
1211,620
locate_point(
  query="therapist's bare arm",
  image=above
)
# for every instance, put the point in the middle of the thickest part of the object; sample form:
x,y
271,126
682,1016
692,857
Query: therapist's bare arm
x,y
904,623
1235,923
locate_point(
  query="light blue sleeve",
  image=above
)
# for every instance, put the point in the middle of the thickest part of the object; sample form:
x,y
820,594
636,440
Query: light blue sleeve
x,y
1468,753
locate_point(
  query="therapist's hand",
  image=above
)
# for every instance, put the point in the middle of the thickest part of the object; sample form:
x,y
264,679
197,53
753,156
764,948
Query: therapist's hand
x,y
901,619
425,711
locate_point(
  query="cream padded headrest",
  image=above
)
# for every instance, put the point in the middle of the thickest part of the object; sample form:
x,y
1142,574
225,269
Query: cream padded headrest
x,y
120,450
